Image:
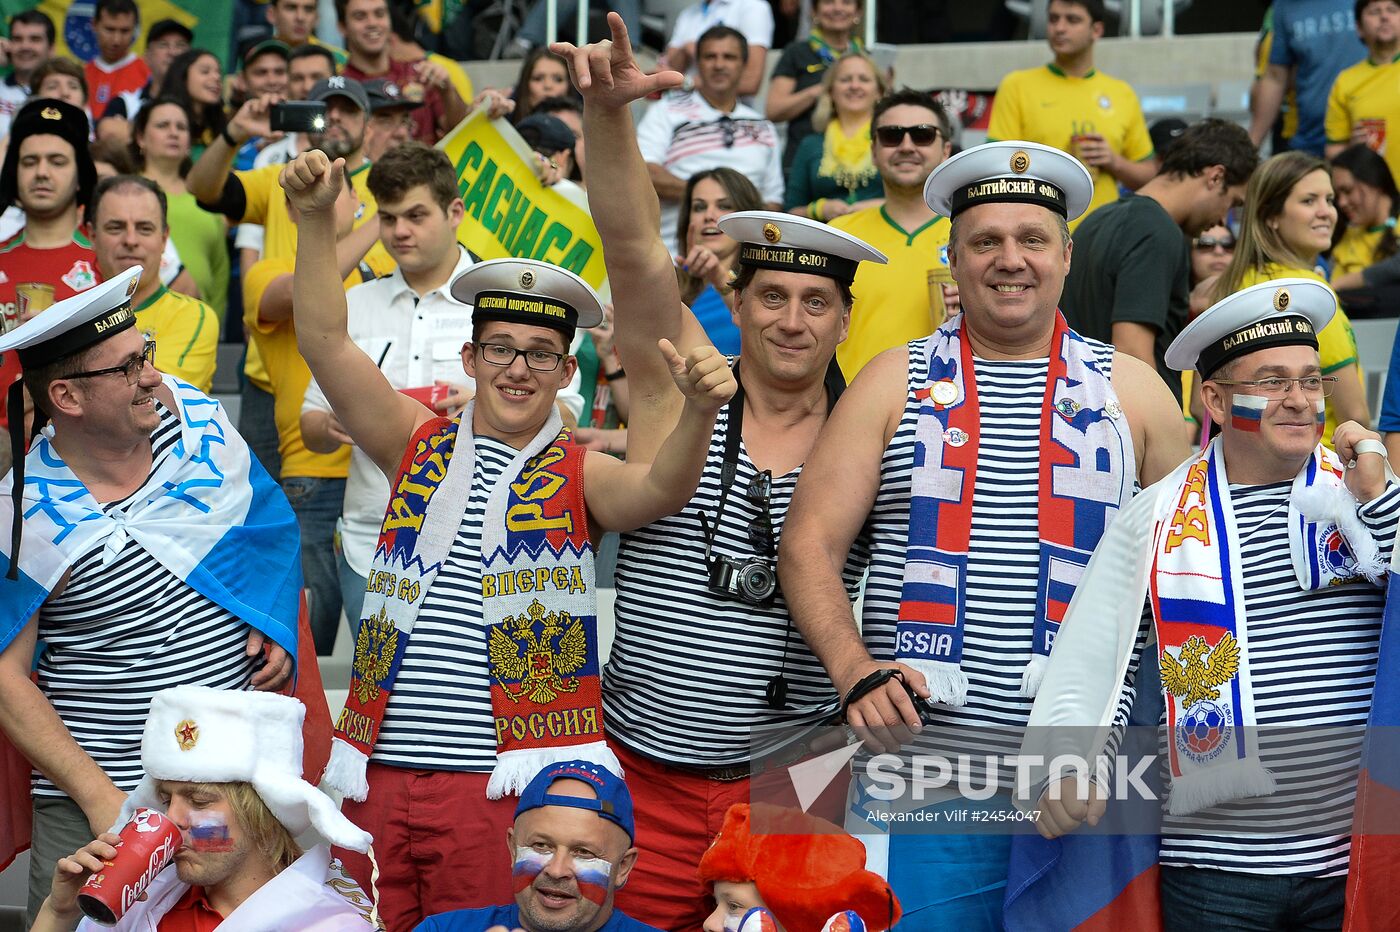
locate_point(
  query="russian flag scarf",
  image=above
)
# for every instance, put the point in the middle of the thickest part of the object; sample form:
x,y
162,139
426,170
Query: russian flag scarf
x,y
1087,467
538,603
1197,595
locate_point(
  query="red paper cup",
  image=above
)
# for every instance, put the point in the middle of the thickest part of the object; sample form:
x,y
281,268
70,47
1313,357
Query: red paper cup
x,y
428,395
146,847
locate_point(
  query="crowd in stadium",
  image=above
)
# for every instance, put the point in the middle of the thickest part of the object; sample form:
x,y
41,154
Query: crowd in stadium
x,y
988,452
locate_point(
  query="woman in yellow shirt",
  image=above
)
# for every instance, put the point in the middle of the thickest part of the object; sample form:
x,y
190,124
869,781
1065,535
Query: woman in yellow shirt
x,y
1289,216
1367,197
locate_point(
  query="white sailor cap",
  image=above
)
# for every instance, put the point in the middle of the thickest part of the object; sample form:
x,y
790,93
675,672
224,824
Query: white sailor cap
x,y
771,240
526,291
75,323
1010,172
1282,312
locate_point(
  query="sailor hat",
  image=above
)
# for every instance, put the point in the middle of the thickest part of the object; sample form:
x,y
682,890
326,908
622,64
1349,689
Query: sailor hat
x,y
75,323
1282,312
526,291
771,240
1010,172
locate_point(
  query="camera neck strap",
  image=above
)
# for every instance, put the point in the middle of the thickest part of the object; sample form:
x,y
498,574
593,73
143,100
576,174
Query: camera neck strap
x,y
835,384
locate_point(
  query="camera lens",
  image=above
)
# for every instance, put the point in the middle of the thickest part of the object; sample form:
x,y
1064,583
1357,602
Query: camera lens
x,y
757,581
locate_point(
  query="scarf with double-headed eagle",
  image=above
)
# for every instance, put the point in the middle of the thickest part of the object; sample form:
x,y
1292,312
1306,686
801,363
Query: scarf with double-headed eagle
x,y
537,602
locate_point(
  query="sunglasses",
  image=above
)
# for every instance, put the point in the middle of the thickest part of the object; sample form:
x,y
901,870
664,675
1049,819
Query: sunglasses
x,y
924,134
1226,243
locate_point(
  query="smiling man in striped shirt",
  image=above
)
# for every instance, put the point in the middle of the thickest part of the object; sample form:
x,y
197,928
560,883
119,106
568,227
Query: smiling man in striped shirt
x,y
979,465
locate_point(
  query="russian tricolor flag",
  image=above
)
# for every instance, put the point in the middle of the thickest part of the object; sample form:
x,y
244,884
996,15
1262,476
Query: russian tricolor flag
x,y
1246,411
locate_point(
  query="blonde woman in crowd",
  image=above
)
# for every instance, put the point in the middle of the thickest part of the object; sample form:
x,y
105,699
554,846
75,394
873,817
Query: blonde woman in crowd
x,y
833,173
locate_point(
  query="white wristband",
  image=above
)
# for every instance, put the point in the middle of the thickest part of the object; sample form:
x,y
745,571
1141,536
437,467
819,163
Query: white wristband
x,y
1368,446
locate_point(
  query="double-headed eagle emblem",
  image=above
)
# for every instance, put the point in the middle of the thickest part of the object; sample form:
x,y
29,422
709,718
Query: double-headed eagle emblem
x,y
1193,677
374,655
541,663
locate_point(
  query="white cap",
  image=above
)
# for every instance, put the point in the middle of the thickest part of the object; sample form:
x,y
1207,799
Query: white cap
x,y
75,323
1010,172
1282,312
199,735
527,291
772,240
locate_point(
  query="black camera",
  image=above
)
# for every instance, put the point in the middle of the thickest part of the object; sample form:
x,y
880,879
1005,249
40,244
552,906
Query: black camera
x,y
749,579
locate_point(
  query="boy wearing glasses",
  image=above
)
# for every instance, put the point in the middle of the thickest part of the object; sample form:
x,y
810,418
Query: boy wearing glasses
x,y
153,551
1131,282
909,139
1262,562
477,656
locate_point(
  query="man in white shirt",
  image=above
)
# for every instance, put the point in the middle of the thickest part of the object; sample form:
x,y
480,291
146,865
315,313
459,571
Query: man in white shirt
x,y
710,128
752,18
415,329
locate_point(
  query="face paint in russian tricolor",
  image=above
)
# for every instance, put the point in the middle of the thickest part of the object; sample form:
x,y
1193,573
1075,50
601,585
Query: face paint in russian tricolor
x,y
1246,411
757,919
1320,405
848,921
209,832
592,875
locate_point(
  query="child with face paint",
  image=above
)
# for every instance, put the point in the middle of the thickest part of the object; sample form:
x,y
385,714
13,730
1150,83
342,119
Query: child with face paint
x,y
803,870
571,848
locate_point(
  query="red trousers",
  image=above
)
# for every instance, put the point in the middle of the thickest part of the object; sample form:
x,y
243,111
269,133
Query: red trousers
x,y
678,814
440,843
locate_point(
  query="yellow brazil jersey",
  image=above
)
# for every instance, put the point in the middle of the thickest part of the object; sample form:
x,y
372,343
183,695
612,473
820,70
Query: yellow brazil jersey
x,y
1047,106
1290,99
276,343
186,331
266,203
898,302
1355,250
1367,95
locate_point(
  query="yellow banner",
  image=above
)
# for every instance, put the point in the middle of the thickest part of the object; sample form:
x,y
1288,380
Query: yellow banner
x,y
509,213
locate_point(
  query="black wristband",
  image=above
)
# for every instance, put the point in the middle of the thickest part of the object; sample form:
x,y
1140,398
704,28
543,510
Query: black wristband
x,y
228,138
620,373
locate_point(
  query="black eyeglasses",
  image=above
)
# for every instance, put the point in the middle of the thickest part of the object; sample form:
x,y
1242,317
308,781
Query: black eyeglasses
x,y
760,492
1226,243
498,354
924,134
132,368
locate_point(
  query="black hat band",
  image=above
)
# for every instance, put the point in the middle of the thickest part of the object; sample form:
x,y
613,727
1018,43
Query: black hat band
x,y
521,308
78,338
794,259
1019,190
1290,330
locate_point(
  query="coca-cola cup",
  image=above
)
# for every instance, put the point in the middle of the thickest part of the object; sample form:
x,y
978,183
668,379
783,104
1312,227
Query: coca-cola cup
x,y
145,847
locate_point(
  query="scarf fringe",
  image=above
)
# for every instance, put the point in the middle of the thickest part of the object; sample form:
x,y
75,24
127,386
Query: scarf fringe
x,y
515,769
947,683
1033,674
1324,503
345,771
1221,784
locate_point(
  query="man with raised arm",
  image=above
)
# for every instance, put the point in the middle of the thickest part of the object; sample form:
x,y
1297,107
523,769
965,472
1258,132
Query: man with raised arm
x,y
697,593
979,466
476,661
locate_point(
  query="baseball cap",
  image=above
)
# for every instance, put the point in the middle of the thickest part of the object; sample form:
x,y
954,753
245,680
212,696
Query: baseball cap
x,y
164,27
546,133
384,95
338,85
276,46
613,801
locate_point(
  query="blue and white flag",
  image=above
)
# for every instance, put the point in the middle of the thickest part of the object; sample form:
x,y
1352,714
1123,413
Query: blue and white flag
x,y
209,513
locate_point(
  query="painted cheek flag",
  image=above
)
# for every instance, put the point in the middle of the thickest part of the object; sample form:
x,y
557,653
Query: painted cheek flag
x,y
1372,898
1247,411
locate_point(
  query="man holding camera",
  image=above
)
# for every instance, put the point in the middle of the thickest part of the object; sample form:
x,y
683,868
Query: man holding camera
x,y
977,467
704,649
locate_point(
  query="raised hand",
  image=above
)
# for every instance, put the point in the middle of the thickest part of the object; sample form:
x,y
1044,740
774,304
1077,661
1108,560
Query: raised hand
x,y
704,376
253,118
607,74
1365,473
70,873
312,181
